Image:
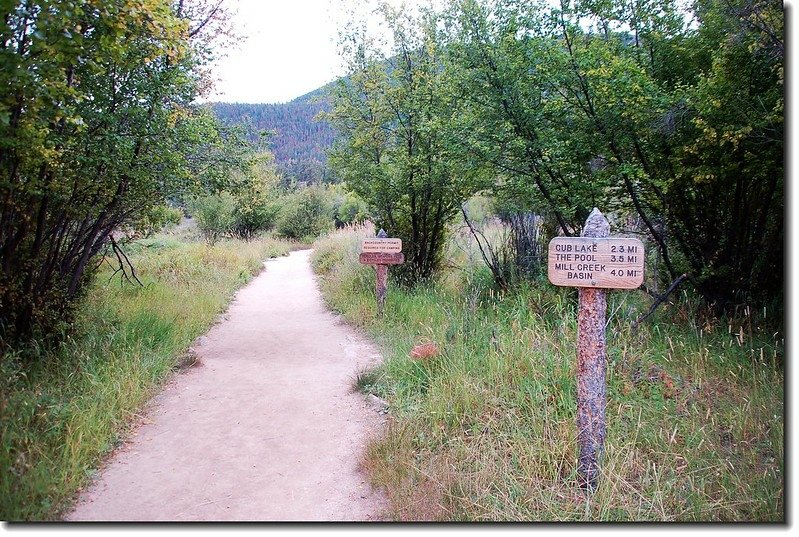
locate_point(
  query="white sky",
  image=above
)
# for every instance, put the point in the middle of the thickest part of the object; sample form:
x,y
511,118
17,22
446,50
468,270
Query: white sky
x,y
289,48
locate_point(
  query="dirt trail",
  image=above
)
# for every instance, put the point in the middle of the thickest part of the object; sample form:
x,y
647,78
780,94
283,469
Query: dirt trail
x,y
264,428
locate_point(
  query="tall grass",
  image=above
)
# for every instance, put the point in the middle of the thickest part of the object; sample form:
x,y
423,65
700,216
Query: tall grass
x,y
486,430
61,417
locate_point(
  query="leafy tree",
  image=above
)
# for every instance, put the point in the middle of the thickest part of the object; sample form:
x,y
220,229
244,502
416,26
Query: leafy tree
x,y
256,199
727,201
394,112
348,208
97,127
214,214
629,107
156,219
506,81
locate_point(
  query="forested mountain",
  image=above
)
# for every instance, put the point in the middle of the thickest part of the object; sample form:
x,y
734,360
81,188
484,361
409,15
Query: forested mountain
x,y
297,137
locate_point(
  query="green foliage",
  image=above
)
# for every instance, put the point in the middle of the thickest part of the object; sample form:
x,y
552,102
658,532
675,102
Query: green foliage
x,y
253,214
214,214
727,200
248,206
348,207
394,112
256,200
97,127
628,107
305,214
154,220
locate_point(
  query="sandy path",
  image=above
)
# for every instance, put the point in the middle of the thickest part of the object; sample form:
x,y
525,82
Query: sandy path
x,y
265,428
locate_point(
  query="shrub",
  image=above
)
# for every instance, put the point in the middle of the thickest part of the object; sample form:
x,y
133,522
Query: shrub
x,y
305,214
257,205
349,208
253,214
214,214
156,219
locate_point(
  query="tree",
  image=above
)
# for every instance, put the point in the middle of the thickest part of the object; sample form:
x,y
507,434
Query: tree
x,y
628,107
97,128
727,201
394,113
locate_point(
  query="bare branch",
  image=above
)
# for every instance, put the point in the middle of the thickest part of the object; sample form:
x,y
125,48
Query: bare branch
x,y
659,300
124,261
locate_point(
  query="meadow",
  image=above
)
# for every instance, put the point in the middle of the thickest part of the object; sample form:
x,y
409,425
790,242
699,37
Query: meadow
x,y
62,415
485,430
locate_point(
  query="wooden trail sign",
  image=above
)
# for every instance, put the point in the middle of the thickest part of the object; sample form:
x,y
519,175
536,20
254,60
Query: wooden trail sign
x,y
608,263
593,262
381,252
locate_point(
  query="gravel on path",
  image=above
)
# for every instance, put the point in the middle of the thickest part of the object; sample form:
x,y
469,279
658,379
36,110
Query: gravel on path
x,y
265,427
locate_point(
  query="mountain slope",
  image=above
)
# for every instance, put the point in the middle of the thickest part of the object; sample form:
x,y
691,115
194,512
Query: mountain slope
x,y
298,139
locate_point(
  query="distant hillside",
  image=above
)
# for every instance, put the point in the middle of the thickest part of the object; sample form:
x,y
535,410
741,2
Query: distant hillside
x,y
299,141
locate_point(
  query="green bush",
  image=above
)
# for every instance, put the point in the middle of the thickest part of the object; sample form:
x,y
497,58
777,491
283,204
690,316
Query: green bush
x,y
214,214
305,214
156,219
252,215
349,208
257,202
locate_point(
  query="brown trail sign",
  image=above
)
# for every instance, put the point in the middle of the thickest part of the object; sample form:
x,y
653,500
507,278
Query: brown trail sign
x,y
593,262
608,263
381,252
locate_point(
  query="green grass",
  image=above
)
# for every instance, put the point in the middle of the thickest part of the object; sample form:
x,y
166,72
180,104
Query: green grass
x,y
486,430
59,418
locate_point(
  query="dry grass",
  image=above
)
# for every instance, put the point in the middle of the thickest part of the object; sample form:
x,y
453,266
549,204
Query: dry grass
x,y
485,430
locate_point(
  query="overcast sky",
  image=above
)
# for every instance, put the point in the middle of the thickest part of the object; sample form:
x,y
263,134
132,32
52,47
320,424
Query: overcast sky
x,y
289,48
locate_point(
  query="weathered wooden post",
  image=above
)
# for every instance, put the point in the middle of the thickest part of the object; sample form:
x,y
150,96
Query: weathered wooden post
x,y
591,365
593,262
381,282
381,252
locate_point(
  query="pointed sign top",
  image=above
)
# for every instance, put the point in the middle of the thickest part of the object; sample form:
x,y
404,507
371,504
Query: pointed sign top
x,y
382,234
596,225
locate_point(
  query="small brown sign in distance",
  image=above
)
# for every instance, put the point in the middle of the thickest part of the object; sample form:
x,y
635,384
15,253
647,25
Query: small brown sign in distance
x,y
382,258
609,263
381,245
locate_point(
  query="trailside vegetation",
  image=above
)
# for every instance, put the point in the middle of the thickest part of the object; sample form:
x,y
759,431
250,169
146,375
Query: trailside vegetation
x,y
257,201
484,427
667,116
97,131
394,113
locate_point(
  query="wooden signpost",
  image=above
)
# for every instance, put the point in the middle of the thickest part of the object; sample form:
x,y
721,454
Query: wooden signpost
x,y
381,252
593,262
